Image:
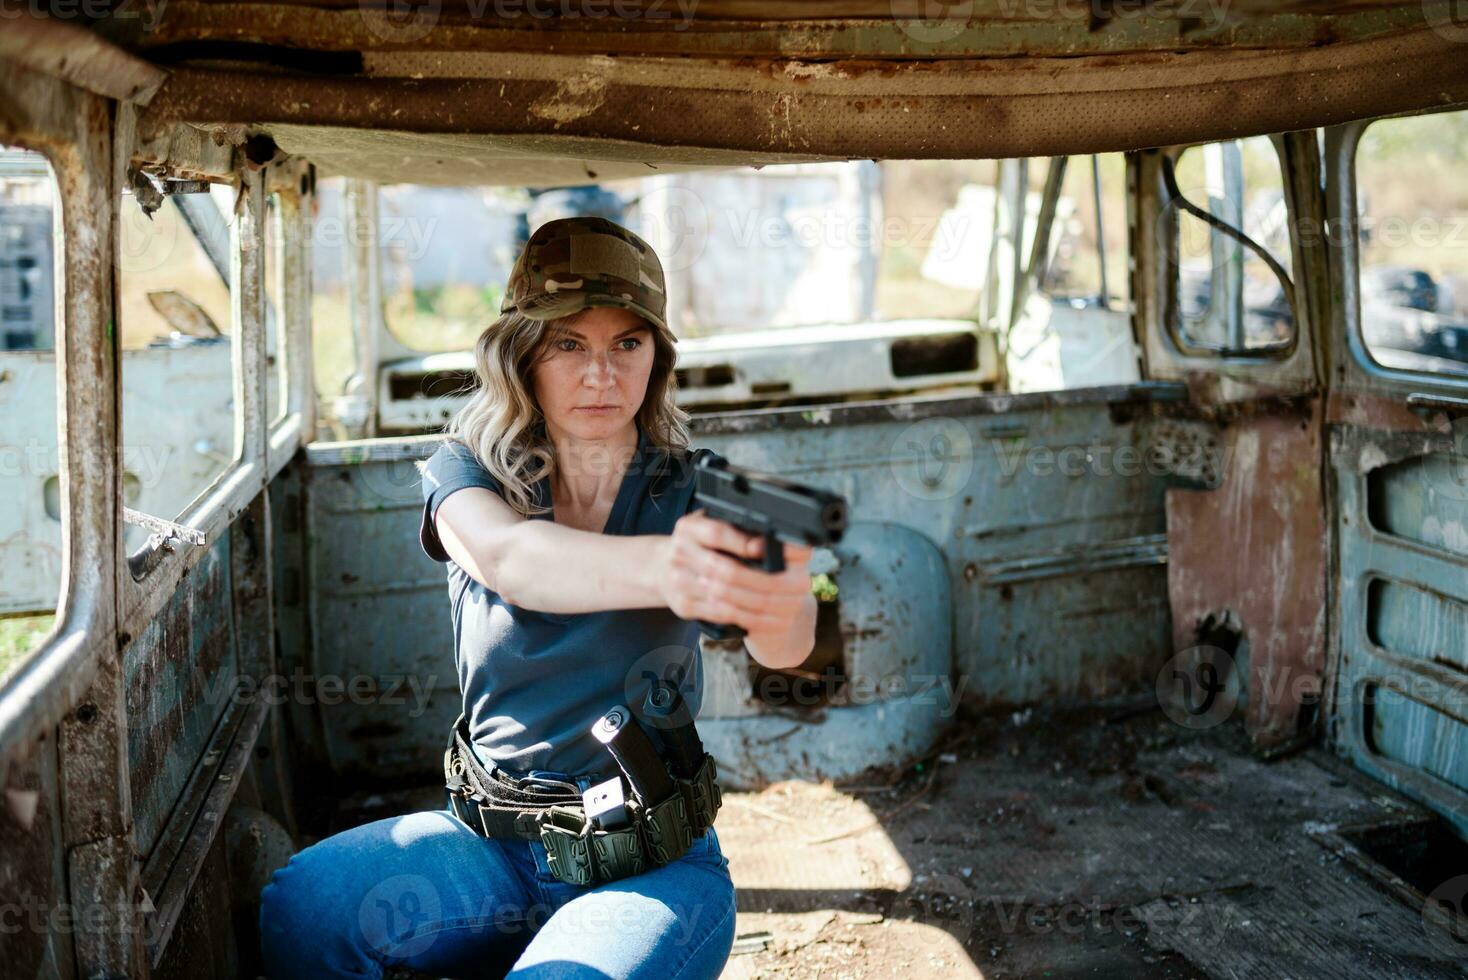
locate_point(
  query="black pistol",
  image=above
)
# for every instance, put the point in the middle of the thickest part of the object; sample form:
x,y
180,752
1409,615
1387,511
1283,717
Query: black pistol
x,y
757,503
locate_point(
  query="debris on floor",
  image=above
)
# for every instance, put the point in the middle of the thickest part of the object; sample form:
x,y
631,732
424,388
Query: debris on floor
x,y
1097,841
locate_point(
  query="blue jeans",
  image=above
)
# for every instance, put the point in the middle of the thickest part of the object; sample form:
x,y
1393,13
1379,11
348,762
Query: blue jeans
x,y
424,891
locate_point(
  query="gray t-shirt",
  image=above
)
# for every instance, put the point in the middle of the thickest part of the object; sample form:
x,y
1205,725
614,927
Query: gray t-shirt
x,y
534,682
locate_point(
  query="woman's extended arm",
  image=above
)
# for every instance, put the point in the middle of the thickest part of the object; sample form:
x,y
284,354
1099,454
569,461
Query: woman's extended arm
x,y
549,567
546,566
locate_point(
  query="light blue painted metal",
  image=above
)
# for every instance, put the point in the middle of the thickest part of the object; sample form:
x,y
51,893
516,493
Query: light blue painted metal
x,y
1401,518
180,677
895,616
1045,511
379,612
1400,701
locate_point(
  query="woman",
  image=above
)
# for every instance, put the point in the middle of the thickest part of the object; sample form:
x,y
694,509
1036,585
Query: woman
x,y
561,505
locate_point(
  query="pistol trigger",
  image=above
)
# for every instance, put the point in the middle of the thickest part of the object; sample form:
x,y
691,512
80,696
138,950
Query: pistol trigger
x,y
774,553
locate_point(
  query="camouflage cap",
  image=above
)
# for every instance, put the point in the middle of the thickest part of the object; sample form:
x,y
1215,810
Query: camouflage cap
x,y
573,263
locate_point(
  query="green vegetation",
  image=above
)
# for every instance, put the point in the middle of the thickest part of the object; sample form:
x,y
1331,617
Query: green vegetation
x,y
19,635
444,317
823,587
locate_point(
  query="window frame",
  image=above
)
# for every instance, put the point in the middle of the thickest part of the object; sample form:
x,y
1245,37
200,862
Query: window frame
x,y
147,579
1342,200
66,513
1171,271
52,677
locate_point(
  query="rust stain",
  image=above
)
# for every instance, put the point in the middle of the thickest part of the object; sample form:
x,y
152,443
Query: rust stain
x,y
1258,545
1373,411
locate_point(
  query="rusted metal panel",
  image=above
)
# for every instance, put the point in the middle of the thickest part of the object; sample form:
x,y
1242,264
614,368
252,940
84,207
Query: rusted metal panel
x,y
867,28
1061,557
33,872
381,675
1397,698
181,678
1043,507
204,945
1396,691
199,696
644,110
70,52
1258,546
174,877
72,129
292,610
101,858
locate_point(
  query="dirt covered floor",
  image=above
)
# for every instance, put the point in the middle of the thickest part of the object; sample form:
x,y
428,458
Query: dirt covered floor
x,y
1097,842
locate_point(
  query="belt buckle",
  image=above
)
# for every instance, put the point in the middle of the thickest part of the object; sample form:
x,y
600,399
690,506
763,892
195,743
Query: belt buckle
x,y
460,806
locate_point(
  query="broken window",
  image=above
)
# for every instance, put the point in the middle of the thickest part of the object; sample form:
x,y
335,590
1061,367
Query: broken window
x,y
1089,264
175,325
1232,291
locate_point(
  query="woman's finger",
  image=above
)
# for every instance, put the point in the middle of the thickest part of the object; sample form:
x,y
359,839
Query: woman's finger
x,y
752,600
723,536
751,621
798,553
718,567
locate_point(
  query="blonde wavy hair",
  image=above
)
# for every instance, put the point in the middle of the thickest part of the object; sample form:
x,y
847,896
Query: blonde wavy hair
x,y
503,425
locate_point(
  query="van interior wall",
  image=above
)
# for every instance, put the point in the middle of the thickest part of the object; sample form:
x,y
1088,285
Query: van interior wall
x,y
204,748
1054,558
1059,573
1249,554
1258,547
63,719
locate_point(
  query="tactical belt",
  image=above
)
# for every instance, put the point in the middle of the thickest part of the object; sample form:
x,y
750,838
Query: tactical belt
x,y
578,851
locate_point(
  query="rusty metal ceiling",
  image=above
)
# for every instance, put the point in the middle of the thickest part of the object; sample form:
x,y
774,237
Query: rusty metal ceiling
x,y
496,91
